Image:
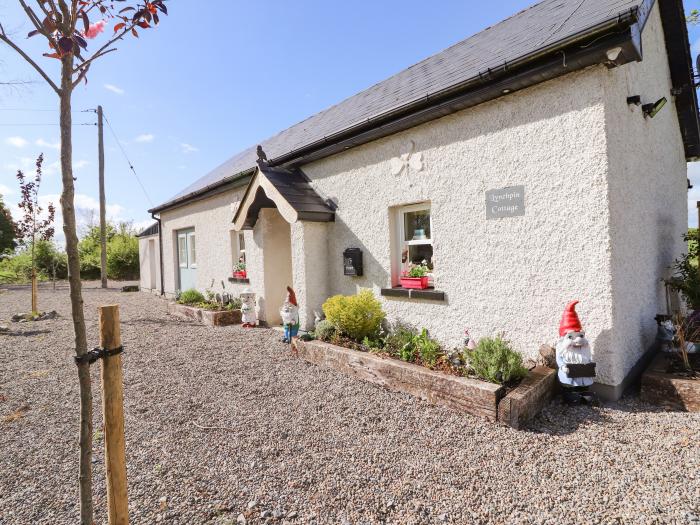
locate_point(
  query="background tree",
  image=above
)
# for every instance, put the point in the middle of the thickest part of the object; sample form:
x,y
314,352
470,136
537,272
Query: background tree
x,y
66,27
7,230
32,227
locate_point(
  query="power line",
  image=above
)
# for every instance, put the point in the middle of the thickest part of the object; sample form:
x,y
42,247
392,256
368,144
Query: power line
x,y
51,124
131,166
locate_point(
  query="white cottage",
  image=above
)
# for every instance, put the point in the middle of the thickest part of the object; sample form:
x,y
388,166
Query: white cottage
x,y
539,161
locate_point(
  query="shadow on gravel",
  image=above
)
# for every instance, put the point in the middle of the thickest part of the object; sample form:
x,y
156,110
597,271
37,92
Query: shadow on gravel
x,y
559,419
28,333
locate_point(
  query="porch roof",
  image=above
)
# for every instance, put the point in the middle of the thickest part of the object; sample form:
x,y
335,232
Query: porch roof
x,y
288,190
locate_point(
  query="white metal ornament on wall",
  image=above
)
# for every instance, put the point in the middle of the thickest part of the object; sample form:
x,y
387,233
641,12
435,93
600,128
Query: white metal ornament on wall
x,y
408,161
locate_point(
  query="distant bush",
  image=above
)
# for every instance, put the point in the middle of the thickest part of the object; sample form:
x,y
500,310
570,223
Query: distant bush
x,y
123,257
324,330
356,316
191,296
18,268
493,360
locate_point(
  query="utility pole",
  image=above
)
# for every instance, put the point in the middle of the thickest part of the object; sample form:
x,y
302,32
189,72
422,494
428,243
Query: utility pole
x,y
103,213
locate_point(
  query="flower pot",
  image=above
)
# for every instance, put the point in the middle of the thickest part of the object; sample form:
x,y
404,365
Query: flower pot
x,y
418,283
240,275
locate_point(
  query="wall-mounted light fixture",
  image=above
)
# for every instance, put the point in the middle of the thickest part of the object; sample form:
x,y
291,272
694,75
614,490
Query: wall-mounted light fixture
x,y
650,110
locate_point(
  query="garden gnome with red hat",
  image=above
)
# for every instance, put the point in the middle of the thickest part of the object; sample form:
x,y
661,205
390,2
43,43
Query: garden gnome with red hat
x,y
290,316
573,353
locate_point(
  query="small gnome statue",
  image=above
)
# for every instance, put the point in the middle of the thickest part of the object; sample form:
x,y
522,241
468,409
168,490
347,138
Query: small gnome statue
x,y
290,316
573,354
248,315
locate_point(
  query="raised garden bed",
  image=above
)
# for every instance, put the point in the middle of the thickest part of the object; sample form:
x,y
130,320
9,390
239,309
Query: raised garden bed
x,y
669,388
208,317
465,394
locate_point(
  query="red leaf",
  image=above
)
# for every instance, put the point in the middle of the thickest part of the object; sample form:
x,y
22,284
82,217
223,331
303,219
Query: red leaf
x,y
52,55
134,32
143,24
86,21
119,26
127,9
33,33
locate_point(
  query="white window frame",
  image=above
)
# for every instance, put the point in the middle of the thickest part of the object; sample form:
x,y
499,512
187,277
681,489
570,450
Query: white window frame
x,y
182,237
236,251
400,212
192,249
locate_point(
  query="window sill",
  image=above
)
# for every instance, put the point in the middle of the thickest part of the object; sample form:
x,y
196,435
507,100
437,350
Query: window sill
x,y
429,294
238,280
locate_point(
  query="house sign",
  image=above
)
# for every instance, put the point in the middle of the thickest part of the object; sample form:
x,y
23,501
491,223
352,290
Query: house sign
x,y
505,202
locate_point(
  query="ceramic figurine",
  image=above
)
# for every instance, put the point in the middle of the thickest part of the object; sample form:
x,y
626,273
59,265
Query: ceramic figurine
x,y
290,316
248,315
574,359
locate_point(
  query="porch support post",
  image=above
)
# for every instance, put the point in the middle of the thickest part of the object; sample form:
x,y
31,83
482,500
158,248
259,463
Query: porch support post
x,y
310,268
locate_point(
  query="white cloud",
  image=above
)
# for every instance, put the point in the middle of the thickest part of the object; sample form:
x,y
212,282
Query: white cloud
x,y
46,144
17,142
114,89
5,191
145,137
80,164
188,148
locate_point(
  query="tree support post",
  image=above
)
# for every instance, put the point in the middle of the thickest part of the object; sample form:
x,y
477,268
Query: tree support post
x,y
113,411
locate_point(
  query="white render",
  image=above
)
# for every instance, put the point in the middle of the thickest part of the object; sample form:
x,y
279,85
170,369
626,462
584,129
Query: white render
x,y
605,202
149,264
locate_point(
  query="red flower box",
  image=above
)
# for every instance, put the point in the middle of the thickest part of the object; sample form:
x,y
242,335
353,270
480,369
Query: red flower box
x,y
240,275
414,282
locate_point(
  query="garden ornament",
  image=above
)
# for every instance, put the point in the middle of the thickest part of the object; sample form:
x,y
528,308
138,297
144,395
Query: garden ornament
x,y
248,315
290,316
574,360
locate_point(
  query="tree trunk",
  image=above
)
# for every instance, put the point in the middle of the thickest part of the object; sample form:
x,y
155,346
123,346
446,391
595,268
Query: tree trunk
x,y
76,296
35,306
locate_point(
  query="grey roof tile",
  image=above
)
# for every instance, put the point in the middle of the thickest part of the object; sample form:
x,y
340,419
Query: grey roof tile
x,y
522,34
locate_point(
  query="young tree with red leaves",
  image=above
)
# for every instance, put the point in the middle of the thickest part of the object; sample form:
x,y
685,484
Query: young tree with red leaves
x,y
66,27
32,227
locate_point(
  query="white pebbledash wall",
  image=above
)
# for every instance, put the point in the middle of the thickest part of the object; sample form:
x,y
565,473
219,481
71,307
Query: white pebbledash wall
x,y
149,264
605,203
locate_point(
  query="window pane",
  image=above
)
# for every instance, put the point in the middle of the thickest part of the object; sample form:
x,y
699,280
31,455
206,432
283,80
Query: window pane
x,y
193,250
416,225
182,250
241,242
418,253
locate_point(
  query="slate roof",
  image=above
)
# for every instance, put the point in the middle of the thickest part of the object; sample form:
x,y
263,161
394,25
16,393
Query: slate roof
x,y
532,30
151,230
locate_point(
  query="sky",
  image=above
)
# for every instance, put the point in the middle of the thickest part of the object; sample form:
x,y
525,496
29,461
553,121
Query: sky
x,y
212,79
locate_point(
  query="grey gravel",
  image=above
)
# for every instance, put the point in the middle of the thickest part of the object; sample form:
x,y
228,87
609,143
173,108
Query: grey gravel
x,y
309,442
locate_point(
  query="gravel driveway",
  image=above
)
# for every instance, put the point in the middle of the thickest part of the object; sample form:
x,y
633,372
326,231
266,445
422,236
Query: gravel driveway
x,y
302,444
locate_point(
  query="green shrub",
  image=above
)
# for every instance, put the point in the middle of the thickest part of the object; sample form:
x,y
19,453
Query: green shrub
x,y
356,316
324,330
398,337
686,276
191,296
122,257
419,270
234,304
493,360
428,349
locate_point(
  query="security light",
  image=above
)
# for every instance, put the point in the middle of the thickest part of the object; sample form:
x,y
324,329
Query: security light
x,y
634,99
650,110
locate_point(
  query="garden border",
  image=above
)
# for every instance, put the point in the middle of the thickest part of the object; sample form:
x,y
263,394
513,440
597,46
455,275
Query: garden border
x,y
473,396
208,317
665,389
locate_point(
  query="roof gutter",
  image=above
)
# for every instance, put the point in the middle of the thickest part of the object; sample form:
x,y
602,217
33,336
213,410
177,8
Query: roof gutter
x,y
564,56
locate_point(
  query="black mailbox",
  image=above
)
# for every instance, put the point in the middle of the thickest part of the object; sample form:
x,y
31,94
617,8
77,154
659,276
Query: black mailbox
x,y
352,262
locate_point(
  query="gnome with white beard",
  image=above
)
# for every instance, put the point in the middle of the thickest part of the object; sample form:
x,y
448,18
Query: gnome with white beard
x,y
573,353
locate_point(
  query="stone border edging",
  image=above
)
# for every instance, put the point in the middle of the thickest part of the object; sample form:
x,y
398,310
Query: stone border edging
x,y
208,317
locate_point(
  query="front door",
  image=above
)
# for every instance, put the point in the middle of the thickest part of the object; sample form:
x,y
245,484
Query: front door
x,y
187,259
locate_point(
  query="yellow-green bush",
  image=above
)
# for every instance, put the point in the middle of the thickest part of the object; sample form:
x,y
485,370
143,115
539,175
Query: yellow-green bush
x,y
356,316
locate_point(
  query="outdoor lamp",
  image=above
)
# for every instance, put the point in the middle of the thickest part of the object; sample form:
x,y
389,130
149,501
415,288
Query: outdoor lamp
x,y
650,110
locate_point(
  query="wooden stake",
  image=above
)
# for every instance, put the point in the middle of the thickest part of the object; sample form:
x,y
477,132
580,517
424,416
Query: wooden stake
x,y
113,410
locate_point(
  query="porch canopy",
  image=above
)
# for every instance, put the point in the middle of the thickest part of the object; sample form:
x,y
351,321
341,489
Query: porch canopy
x,y
288,190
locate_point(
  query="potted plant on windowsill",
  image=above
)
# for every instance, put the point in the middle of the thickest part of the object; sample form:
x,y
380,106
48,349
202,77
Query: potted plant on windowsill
x,y
239,271
416,277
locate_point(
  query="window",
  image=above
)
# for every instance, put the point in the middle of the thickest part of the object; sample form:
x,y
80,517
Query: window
x,y
182,249
238,247
414,236
193,250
